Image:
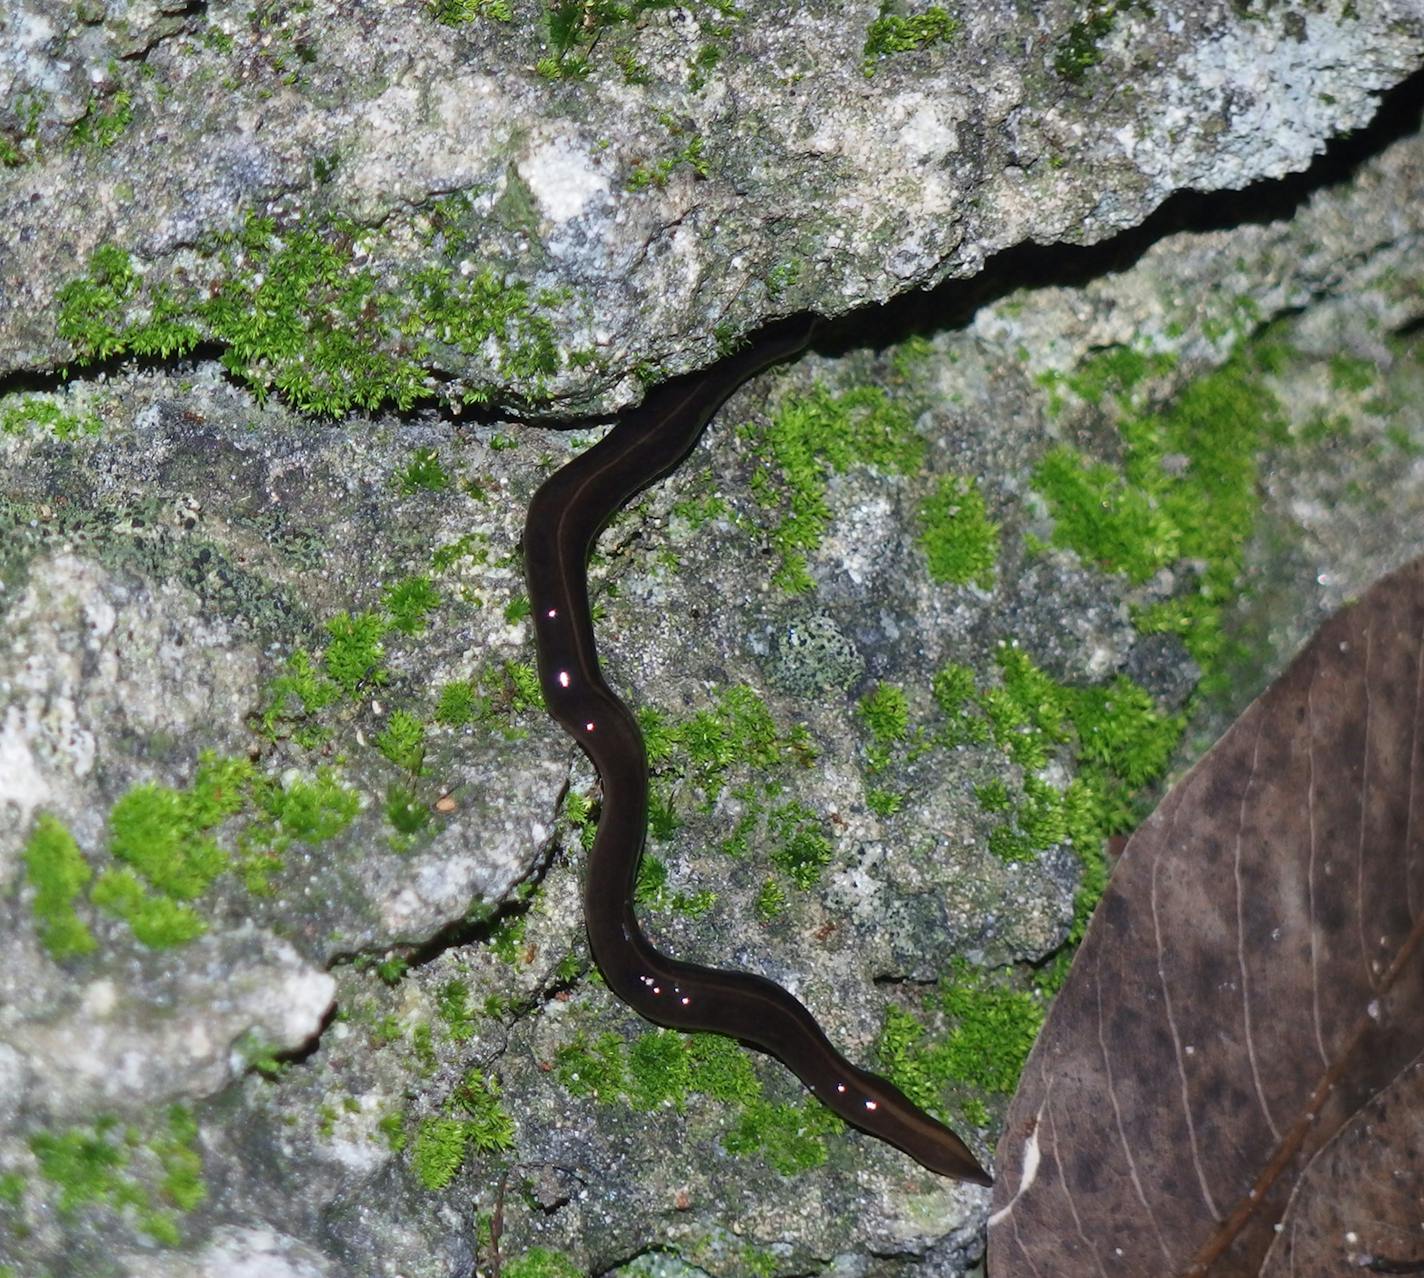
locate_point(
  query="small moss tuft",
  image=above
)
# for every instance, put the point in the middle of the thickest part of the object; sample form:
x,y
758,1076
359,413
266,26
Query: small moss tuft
x,y
540,1262
58,872
810,437
354,650
402,741
409,602
790,1137
802,849
891,33
157,921
960,541
439,1151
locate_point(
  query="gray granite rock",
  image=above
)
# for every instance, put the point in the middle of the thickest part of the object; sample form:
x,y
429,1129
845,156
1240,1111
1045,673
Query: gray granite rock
x,y
292,973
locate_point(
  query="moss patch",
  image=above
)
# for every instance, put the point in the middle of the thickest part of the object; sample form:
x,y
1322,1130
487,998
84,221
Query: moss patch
x,y
662,1068
811,436
960,541
24,414
297,315
987,1030
474,1119
1184,492
58,872
892,32
104,1164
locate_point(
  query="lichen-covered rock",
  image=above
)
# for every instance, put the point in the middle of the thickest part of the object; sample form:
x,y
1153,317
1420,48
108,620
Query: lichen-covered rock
x,y
535,202
292,970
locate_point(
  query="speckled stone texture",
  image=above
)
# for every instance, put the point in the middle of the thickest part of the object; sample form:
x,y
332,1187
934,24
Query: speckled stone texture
x,y
172,543
811,182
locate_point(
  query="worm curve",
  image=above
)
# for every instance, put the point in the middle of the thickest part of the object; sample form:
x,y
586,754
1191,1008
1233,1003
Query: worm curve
x,y
565,517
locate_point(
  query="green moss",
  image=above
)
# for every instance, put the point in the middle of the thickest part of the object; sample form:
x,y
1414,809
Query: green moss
x,y
575,27
405,810
488,1125
301,690
20,415
402,741
392,1129
1349,373
409,602
92,308
1152,511
423,1048
801,849
474,1120
104,119
507,937
813,435
452,1003
884,802
354,650
1120,370
1104,518
721,1069
1078,51
990,1028
540,1262
657,173
791,1138
993,796
891,33
522,686
301,321
58,872
594,1068
659,1070
12,1189
474,546
86,1165
661,1067
578,809
164,833
953,689
311,810
182,1183
456,13
885,711
737,730
392,970
297,316
424,473
439,1151
458,705
960,541
91,1166
298,809
157,921
517,609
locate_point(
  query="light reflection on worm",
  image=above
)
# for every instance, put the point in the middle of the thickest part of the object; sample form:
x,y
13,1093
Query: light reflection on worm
x,y
565,518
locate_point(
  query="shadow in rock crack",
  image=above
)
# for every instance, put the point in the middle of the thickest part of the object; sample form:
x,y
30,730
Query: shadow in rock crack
x,y
947,306
952,305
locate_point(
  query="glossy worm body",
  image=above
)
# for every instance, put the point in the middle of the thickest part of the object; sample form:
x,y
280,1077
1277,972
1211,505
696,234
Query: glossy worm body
x,y
565,518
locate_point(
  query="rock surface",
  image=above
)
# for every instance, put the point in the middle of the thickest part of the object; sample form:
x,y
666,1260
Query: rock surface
x,y
645,178
293,973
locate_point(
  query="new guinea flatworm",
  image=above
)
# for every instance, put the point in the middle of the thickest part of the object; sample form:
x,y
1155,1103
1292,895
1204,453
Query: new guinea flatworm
x,y
565,517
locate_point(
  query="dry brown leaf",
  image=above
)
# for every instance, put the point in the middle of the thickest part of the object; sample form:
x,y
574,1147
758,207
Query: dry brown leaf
x,y
1229,1081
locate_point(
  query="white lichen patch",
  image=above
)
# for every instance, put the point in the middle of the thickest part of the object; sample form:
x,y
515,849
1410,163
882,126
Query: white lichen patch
x,y
168,1031
234,1252
562,177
